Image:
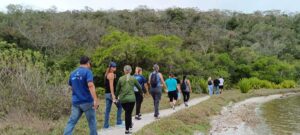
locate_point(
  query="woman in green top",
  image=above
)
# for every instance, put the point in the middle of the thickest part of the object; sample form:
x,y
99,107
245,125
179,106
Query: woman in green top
x,y
125,94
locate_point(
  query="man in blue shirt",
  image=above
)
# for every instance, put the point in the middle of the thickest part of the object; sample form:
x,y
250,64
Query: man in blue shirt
x,y
84,98
139,98
171,83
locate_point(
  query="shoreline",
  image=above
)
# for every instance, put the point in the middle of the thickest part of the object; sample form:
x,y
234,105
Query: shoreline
x,y
242,118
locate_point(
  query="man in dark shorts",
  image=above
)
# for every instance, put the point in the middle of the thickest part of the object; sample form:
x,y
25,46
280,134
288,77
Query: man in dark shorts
x,y
221,84
172,90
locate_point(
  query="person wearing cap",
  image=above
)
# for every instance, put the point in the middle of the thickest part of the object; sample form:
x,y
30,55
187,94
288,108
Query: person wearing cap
x,y
110,98
126,96
84,98
156,82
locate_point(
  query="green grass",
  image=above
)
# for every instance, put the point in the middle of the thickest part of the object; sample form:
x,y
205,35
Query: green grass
x,y
56,127
197,118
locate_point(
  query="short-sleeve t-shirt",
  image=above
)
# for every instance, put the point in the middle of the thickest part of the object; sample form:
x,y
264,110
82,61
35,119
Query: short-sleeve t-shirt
x,y
79,80
221,81
142,80
171,84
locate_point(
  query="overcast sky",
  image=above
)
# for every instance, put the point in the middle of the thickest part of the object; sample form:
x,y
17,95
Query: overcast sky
x,y
247,6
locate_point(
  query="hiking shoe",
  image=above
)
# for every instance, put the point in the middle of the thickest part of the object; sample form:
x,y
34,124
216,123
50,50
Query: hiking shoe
x,y
121,125
138,118
128,132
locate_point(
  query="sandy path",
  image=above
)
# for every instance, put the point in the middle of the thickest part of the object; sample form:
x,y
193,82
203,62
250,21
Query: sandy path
x,y
242,118
148,118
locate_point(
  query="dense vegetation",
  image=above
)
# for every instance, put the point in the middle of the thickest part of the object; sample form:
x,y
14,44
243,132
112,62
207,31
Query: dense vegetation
x,y
38,49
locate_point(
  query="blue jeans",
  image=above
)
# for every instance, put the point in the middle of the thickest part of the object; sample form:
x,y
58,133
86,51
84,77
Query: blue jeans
x,y
210,89
77,111
217,90
108,100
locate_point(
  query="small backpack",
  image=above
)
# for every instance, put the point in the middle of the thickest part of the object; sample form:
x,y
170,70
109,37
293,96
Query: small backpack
x,y
153,80
183,85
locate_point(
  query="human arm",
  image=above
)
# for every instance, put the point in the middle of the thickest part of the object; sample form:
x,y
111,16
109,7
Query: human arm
x,y
93,93
92,89
163,82
111,78
118,89
138,86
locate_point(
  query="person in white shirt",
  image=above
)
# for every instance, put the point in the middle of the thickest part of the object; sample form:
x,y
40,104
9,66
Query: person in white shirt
x,y
221,84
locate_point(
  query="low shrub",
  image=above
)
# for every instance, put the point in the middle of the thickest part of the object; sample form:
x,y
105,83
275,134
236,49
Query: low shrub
x,y
288,84
203,85
245,85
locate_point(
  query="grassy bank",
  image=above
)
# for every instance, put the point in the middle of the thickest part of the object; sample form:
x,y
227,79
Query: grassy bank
x,y
197,118
22,123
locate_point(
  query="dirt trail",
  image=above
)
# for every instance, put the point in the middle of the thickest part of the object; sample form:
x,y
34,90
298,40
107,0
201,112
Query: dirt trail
x,y
148,118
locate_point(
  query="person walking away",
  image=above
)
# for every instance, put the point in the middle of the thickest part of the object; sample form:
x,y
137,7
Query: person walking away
x,y
210,86
172,90
126,96
221,84
110,98
156,82
216,86
178,86
186,89
84,98
139,97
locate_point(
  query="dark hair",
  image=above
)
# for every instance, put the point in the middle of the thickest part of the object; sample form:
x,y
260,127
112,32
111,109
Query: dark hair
x,y
171,74
184,77
84,60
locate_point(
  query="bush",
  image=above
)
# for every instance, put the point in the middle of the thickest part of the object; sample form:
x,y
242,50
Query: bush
x,y
100,91
203,85
288,84
245,85
266,84
26,83
255,83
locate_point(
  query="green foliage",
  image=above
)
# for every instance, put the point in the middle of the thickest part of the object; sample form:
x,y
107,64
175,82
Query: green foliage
x,y
24,77
244,85
288,84
142,51
254,83
100,91
203,85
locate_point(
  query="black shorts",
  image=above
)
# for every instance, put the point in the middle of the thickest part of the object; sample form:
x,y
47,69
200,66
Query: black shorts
x,y
173,95
221,86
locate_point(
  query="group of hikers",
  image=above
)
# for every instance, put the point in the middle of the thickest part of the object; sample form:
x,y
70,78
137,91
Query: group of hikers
x,y
215,86
126,92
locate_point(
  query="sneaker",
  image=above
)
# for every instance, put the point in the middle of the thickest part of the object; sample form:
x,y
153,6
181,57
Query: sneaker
x,y
186,105
128,132
173,107
121,125
130,128
138,118
140,115
106,128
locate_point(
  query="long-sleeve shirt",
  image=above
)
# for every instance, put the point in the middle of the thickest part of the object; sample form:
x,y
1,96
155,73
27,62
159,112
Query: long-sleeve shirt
x,y
125,89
